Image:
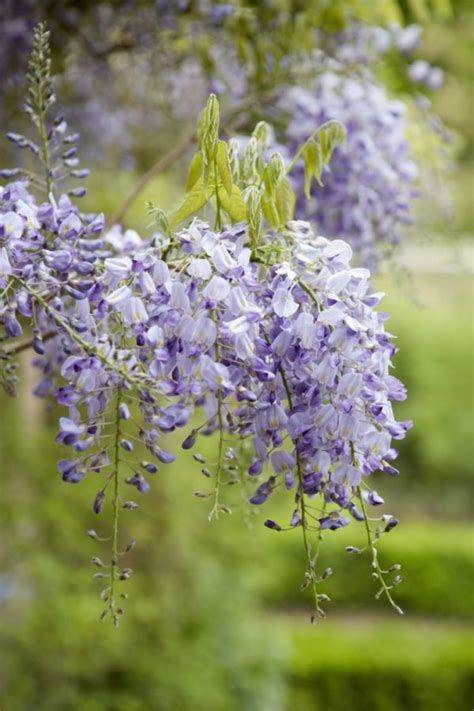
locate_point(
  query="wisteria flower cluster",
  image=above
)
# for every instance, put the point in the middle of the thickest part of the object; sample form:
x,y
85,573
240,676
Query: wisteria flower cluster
x,y
367,195
253,331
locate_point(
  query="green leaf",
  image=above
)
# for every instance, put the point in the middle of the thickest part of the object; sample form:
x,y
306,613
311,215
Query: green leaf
x,y
194,201
208,130
273,172
270,211
330,135
262,133
194,172
160,218
234,159
253,200
233,204
442,9
420,9
285,201
313,165
223,167
252,161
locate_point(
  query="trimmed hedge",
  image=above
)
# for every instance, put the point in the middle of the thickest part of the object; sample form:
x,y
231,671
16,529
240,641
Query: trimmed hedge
x,y
381,665
436,558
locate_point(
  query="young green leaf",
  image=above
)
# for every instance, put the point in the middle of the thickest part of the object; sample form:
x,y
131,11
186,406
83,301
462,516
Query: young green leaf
x,y
330,135
223,167
313,165
285,201
262,133
253,200
233,204
194,201
194,172
273,172
160,218
270,211
208,131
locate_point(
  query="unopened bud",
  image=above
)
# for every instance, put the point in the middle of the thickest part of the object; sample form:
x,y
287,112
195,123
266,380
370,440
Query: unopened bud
x,y
99,500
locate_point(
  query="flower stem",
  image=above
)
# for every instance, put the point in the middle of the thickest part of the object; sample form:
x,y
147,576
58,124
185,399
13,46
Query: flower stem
x,y
87,347
115,506
45,151
216,508
375,560
310,559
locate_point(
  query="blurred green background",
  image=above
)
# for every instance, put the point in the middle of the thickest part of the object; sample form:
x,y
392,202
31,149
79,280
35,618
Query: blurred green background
x,y
216,620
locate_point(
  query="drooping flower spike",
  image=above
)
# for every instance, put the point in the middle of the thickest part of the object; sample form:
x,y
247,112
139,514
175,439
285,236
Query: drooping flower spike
x,y
261,327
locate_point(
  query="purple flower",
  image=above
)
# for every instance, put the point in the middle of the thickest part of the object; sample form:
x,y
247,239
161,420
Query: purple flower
x,y
139,482
333,522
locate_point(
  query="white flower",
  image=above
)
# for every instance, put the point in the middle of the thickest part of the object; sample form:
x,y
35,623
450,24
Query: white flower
x,y
118,267
12,225
222,260
217,289
134,311
161,273
305,329
283,303
199,269
179,297
119,295
5,266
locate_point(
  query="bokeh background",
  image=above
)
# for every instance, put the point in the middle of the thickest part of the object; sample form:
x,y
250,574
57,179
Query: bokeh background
x,y
216,620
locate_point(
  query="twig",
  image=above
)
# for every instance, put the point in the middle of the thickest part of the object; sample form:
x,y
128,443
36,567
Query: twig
x,y
161,164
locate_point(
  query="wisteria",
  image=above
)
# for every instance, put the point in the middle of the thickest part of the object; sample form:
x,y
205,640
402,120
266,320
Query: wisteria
x,y
367,195
253,330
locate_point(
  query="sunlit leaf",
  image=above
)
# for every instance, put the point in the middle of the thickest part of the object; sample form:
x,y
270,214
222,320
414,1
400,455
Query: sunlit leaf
x,y
194,201
223,166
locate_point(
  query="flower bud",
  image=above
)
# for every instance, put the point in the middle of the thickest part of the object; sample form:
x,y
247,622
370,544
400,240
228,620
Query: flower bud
x,y
99,500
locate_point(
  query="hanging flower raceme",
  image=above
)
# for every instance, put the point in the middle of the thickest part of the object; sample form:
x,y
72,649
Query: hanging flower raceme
x,y
290,356
260,327
367,195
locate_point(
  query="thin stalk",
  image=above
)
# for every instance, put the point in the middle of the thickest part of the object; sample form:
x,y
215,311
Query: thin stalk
x,y
116,508
310,560
218,223
87,347
45,151
310,293
220,451
375,560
